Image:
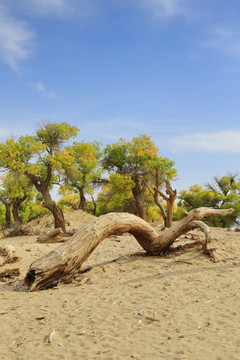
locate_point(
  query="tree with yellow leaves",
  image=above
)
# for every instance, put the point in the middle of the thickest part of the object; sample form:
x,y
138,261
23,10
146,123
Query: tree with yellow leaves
x,y
139,159
38,157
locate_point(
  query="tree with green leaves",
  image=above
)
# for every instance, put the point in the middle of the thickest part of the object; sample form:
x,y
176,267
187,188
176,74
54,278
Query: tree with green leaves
x,y
7,204
83,172
116,195
38,157
14,190
139,160
222,193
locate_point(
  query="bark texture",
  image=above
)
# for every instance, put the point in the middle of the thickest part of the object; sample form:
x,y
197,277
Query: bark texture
x,y
71,255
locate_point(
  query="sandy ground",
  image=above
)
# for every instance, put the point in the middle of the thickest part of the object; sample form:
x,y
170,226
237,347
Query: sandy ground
x,y
128,305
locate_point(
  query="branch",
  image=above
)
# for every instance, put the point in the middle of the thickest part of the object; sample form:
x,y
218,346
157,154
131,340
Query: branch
x,y
70,256
183,208
160,193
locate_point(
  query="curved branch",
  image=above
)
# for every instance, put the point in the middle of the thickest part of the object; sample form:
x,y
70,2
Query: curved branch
x,y
71,255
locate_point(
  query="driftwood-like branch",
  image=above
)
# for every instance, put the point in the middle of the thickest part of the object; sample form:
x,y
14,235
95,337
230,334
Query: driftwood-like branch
x,y
70,255
51,236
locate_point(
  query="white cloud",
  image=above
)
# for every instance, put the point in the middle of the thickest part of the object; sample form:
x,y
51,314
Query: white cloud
x,y
168,9
225,142
15,39
41,88
224,40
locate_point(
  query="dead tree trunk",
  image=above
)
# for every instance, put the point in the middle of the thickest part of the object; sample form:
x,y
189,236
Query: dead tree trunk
x,y
71,255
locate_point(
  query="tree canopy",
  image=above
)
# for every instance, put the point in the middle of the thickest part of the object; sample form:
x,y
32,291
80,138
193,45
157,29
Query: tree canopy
x,y
82,171
139,159
38,157
222,193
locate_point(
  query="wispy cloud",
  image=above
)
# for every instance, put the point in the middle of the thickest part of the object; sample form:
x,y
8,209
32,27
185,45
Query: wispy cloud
x,y
165,10
223,142
41,88
54,8
224,40
16,39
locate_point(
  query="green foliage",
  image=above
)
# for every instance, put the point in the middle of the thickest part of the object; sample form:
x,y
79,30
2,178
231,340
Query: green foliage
x,y
15,185
139,160
139,156
68,199
31,209
39,157
2,216
34,154
83,168
117,195
222,194
196,197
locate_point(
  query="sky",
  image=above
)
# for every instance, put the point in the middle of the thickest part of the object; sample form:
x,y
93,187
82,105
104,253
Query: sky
x,y
169,69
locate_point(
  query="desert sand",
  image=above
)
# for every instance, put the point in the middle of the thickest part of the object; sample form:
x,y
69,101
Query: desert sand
x,y
126,305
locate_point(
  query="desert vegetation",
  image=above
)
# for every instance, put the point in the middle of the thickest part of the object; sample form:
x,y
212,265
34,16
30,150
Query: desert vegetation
x,y
129,175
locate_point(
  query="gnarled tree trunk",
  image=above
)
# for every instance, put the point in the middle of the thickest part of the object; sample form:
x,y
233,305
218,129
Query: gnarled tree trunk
x,y
15,207
71,255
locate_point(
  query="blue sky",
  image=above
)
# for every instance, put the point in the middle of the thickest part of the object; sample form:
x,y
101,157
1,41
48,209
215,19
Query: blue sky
x,y
166,68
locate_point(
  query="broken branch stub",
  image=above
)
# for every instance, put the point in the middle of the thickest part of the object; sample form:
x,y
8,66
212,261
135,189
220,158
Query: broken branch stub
x,y
70,255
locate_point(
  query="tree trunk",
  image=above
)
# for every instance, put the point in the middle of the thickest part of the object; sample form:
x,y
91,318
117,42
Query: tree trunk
x,y
139,198
55,210
83,201
170,198
15,211
172,194
43,187
15,207
71,255
8,215
58,217
94,205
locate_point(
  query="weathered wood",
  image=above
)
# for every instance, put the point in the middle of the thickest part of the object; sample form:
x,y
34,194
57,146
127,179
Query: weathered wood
x,y
50,236
7,253
71,255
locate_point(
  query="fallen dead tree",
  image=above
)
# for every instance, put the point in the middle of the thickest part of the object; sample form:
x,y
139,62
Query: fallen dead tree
x,y
70,256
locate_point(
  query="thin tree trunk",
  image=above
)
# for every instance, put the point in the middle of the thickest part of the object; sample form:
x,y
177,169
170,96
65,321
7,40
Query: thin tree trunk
x,y
172,194
139,198
83,201
71,255
94,205
8,215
